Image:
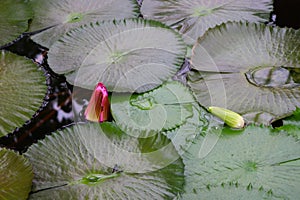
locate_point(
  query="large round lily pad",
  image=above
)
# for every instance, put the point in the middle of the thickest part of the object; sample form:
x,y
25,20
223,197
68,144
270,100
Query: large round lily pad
x,y
63,15
15,175
98,161
22,91
126,56
14,16
249,68
194,17
254,158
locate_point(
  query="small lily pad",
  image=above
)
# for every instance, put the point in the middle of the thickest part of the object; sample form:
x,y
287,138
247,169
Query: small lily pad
x,y
60,16
22,91
14,16
15,175
248,68
194,17
164,108
126,56
255,158
99,161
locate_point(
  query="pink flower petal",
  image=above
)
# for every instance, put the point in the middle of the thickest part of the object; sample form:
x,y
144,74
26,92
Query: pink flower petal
x,y
98,107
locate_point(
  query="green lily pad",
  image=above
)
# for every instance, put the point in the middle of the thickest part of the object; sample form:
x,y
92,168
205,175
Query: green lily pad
x,y
60,16
22,91
248,68
164,108
15,175
254,158
229,192
291,125
183,136
12,23
194,17
99,161
126,56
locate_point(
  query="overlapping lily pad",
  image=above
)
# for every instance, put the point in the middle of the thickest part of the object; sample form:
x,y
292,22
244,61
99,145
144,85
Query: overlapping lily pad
x,y
98,161
22,91
14,16
164,108
254,158
249,68
193,17
291,124
183,136
63,15
15,175
126,56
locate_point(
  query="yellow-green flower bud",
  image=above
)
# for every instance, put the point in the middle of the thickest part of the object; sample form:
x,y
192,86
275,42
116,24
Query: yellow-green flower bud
x,y
231,118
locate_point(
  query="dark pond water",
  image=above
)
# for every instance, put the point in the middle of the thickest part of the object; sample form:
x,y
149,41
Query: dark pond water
x,y
57,109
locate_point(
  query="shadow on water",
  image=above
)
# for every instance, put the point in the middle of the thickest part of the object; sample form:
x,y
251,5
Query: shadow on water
x,y
57,109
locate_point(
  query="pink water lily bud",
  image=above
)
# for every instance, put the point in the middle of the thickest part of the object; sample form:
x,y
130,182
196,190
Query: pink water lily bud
x,y
98,107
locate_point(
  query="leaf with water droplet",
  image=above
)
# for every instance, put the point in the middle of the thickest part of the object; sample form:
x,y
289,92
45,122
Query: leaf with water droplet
x,y
164,108
248,68
99,161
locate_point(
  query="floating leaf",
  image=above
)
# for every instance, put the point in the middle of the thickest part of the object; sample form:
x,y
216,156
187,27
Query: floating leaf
x,y
254,158
98,161
291,125
14,16
183,136
15,175
164,108
22,89
125,55
251,69
194,17
229,192
63,15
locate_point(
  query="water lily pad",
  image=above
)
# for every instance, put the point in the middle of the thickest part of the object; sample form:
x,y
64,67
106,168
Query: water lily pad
x,y
15,175
255,158
22,91
164,108
183,136
63,15
248,68
13,23
194,17
98,161
126,56
229,192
